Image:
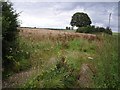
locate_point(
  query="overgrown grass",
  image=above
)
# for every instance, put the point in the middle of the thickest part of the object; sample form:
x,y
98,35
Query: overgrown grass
x,y
64,69
60,61
65,73
107,63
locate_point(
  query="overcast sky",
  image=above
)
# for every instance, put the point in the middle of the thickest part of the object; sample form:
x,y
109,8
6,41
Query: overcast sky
x,y
58,14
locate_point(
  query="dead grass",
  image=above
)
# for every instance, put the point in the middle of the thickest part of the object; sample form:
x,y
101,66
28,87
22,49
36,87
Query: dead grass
x,y
40,34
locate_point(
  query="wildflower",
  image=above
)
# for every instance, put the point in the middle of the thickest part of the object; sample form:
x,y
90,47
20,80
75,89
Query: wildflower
x,y
51,47
21,50
11,49
27,53
17,51
90,58
35,51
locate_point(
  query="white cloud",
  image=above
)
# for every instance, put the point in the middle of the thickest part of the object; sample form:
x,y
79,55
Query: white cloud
x,y
64,1
58,15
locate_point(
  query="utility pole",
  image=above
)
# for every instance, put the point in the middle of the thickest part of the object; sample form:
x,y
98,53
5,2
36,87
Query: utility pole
x,y
109,19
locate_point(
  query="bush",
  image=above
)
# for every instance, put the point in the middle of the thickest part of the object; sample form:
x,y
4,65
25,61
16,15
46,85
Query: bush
x,y
9,34
67,28
108,30
93,29
87,29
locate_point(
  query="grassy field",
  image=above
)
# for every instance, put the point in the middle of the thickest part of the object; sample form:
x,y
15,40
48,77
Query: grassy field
x,y
57,59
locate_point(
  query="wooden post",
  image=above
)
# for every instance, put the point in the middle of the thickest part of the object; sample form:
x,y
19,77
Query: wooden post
x,y
109,20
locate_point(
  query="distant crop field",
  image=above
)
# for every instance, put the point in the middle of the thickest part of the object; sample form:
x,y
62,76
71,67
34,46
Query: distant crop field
x,y
54,34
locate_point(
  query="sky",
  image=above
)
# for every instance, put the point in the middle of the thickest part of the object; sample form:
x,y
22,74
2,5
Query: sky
x,y
58,14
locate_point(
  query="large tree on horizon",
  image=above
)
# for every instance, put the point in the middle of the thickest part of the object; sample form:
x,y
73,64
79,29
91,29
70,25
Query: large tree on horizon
x,y
80,19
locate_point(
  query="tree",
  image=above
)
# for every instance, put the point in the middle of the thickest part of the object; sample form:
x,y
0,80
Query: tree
x,y
9,33
66,28
80,19
108,30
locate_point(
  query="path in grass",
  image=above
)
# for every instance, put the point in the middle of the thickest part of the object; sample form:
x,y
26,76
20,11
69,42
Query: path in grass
x,y
86,74
17,80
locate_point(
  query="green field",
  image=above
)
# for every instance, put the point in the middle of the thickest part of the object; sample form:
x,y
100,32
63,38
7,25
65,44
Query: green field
x,y
66,62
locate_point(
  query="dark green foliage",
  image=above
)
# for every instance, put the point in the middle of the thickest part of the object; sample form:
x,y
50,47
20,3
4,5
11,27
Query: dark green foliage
x,y
108,30
80,19
87,29
67,28
9,34
93,29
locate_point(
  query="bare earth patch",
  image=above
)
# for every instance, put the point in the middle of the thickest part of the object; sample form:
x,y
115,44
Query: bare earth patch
x,y
85,76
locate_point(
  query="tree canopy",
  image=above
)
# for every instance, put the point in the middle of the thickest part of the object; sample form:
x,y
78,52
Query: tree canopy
x,y
80,19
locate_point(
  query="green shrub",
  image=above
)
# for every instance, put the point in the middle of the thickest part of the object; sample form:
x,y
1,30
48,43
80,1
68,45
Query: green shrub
x,y
93,29
108,30
9,35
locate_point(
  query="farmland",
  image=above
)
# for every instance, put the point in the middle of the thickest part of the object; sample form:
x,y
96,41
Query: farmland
x,y
60,59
